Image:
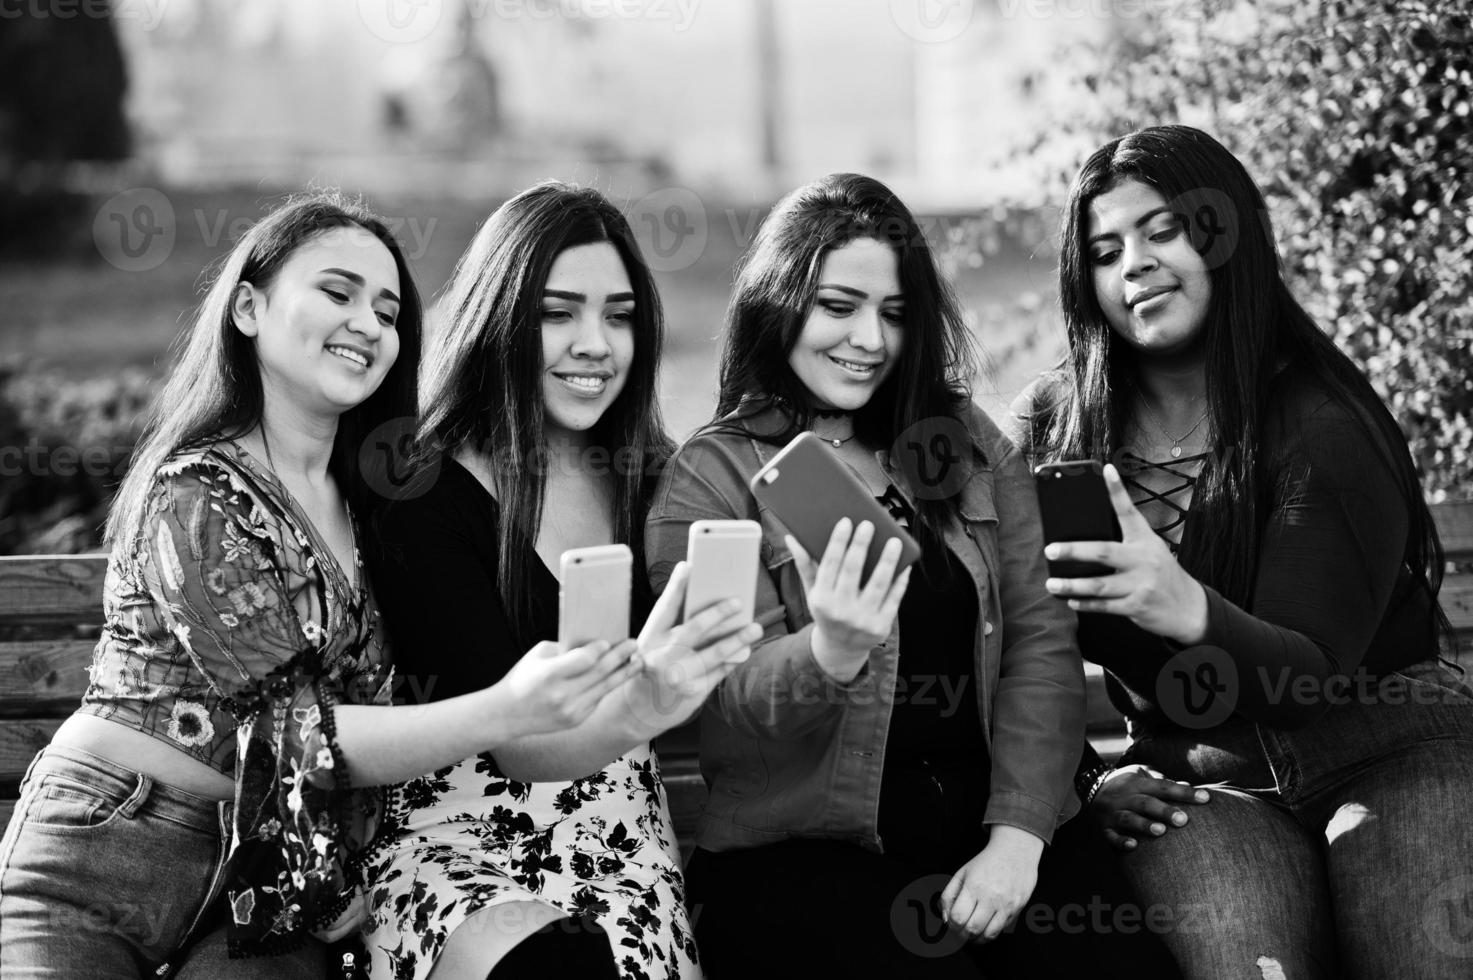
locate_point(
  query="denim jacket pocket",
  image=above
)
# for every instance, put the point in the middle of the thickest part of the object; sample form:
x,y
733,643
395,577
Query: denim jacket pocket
x,y
63,804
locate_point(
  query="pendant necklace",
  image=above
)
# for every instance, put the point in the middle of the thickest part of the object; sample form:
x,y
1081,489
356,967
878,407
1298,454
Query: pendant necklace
x,y
836,443
1175,441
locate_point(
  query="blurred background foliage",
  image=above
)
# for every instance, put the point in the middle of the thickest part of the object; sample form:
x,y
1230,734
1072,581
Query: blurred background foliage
x,y
1354,115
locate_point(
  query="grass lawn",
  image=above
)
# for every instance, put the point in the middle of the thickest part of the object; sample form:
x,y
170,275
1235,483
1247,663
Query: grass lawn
x,y
84,317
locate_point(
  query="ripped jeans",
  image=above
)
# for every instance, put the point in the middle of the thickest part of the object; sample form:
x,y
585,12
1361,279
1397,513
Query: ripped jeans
x,y
1343,849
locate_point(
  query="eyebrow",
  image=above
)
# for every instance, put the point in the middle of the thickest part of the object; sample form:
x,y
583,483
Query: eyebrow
x,y
859,293
583,298
1140,222
359,281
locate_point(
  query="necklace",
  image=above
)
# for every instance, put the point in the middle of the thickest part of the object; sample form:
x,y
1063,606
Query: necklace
x,y
1174,440
834,415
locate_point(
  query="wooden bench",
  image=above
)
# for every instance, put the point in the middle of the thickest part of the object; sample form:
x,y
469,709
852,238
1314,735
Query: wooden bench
x,y
50,610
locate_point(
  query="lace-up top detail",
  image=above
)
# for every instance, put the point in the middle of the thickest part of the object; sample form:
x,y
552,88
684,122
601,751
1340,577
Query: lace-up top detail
x,y
1173,500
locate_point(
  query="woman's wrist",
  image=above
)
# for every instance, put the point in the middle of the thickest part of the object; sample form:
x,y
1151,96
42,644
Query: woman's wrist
x,y
1087,782
838,663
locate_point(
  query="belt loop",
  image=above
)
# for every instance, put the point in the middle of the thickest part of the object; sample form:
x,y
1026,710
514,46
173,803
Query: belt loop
x,y
140,796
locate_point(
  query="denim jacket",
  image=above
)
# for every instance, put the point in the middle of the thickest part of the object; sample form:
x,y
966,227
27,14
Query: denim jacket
x,y
786,750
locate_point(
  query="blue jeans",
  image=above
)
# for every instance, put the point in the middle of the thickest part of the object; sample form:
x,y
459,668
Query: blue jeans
x,y
1343,849
105,873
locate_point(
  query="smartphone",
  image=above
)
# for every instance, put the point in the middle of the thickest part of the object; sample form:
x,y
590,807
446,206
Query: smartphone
x,y
1076,507
723,559
810,490
593,603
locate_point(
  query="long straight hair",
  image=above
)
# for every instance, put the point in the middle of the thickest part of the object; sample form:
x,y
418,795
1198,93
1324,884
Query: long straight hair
x,y
214,390
482,385
1254,326
776,283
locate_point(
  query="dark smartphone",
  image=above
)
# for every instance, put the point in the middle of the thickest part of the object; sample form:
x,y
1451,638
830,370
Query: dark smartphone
x,y
810,490
1076,507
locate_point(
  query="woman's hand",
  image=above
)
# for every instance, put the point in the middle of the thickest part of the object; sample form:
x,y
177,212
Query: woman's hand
x,y
1136,803
552,690
849,621
684,664
987,894
1149,587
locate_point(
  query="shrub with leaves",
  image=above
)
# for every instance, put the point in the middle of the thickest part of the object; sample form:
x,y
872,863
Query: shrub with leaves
x,y
64,446
1356,118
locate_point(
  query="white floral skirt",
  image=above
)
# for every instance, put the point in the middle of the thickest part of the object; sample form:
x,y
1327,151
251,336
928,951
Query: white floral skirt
x,y
466,838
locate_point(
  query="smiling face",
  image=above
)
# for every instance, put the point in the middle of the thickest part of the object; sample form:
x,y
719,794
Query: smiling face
x,y
852,336
1151,284
324,326
587,336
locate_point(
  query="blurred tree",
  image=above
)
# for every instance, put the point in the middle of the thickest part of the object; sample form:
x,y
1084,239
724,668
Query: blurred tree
x,y
61,101
1356,118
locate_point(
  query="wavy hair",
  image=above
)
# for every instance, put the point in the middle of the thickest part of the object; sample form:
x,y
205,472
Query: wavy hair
x,y
776,283
482,384
1254,328
214,390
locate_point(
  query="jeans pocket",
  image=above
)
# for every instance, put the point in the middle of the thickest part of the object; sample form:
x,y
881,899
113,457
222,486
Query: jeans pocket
x,y
64,804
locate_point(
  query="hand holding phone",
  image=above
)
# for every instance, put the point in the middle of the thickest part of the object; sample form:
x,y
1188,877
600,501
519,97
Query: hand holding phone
x,y
1075,505
811,490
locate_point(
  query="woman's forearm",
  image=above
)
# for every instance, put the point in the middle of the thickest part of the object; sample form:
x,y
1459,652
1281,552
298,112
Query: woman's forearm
x,y
391,743
607,734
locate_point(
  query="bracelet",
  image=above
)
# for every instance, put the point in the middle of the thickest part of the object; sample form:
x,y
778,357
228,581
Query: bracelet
x,y
1088,783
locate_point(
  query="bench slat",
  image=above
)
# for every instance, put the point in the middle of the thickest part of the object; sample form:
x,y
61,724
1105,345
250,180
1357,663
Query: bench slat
x,y
1455,527
43,678
52,588
19,743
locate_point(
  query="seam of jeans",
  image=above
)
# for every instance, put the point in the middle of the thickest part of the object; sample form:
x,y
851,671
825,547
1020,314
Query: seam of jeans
x,y
168,968
17,820
128,809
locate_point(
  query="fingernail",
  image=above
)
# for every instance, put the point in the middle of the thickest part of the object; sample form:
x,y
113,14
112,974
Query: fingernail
x,y
1178,818
1129,842
1053,584
1158,829
1052,551
1201,796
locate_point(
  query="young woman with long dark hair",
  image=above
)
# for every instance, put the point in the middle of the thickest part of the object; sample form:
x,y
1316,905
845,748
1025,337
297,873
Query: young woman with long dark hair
x,y
900,742
215,793
1270,623
542,432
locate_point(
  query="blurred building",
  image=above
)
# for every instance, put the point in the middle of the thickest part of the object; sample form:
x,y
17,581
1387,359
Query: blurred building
x,y
483,96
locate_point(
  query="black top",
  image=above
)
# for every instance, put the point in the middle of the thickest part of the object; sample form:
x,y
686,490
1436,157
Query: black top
x,y
934,785
1332,593
434,568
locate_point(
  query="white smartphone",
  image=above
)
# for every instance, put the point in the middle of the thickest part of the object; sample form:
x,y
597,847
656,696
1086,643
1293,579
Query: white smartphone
x,y
593,603
723,559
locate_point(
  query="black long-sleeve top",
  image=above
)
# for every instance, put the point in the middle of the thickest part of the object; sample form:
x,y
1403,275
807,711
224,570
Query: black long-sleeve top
x,y
1332,590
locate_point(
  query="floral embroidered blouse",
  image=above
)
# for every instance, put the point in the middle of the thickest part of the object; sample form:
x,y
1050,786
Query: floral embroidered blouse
x,y
231,634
